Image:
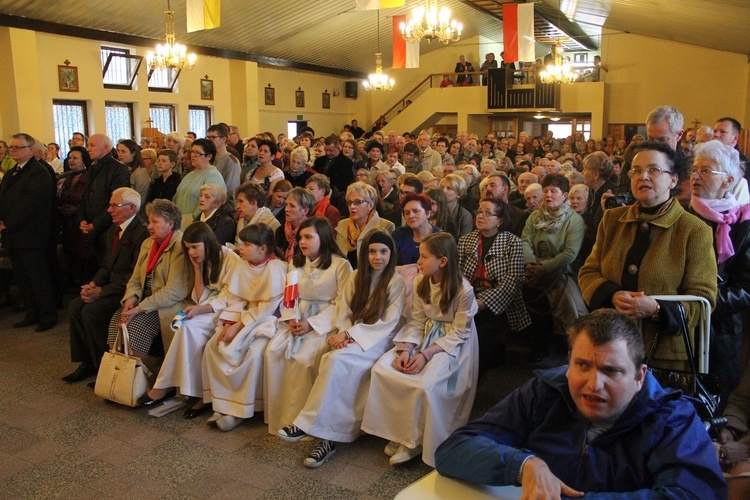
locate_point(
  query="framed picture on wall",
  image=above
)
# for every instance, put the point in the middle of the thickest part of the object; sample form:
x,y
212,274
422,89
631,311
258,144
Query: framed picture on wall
x,y
67,77
270,93
326,100
299,98
207,89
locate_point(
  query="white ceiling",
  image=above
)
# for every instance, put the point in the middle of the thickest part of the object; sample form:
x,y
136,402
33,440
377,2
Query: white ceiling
x,y
332,34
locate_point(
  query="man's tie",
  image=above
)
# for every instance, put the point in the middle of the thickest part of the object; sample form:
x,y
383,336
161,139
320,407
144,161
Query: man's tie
x,y
116,241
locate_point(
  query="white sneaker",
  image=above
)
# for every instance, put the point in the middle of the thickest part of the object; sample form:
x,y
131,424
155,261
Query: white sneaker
x,y
228,422
404,454
320,454
391,448
212,420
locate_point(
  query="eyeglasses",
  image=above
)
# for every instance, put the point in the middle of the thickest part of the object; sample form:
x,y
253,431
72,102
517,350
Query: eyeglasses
x,y
486,213
212,137
118,205
196,153
356,203
652,172
16,148
706,172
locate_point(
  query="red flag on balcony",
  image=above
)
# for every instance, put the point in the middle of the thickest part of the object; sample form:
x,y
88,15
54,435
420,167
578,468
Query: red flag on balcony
x,y
518,32
405,54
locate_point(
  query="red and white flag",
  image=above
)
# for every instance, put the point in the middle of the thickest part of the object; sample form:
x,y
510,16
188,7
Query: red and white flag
x,y
405,54
518,32
291,289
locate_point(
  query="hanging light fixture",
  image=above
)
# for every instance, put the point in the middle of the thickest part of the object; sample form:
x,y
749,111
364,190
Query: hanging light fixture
x,y
427,23
172,54
560,72
378,80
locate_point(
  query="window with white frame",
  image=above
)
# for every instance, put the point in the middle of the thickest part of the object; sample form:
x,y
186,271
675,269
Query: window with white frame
x,y
119,68
68,117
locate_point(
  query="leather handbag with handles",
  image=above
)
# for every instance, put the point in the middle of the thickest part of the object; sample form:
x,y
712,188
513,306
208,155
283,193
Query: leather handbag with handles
x,y
122,378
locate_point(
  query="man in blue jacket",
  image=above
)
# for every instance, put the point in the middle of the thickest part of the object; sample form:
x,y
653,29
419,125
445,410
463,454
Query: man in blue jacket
x,y
601,425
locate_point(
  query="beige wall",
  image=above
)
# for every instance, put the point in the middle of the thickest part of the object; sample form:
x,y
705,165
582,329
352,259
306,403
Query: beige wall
x,y
644,72
323,121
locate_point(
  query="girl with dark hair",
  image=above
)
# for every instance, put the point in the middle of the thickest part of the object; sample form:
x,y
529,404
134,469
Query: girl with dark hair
x,y
129,153
319,271
218,275
424,387
366,320
233,359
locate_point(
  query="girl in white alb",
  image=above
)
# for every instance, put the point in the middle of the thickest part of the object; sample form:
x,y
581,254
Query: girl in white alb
x,y
233,359
293,356
424,388
366,319
219,274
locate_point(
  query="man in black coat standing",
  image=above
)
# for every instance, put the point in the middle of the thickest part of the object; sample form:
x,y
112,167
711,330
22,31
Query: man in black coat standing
x,y
25,218
91,312
338,168
105,175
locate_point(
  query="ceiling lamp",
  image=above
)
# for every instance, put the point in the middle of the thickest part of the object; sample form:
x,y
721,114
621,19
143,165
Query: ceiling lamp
x,y
428,24
171,55
378,80
561,71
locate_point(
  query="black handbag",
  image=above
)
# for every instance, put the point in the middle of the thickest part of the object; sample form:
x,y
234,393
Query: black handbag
x,y
702,389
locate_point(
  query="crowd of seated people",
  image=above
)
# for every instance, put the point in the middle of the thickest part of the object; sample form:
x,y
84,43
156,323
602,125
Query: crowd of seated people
x,y
459,241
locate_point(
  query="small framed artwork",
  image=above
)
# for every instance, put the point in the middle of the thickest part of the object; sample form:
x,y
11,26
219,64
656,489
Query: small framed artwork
x,y
270,94
67,77
207,89
299,98
326,100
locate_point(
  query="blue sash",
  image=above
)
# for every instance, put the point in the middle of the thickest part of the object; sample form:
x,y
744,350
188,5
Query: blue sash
x,y
307,309
436,330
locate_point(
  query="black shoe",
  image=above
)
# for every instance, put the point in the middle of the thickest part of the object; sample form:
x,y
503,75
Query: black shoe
x,y
43,327
82,372
191,413
146,400
25,323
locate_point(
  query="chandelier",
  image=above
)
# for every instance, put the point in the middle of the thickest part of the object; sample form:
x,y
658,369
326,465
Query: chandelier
x,y
172,54
378,80
561,71
428,24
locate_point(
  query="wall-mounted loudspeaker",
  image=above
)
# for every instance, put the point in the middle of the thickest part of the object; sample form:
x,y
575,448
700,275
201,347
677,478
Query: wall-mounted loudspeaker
x,y
351,90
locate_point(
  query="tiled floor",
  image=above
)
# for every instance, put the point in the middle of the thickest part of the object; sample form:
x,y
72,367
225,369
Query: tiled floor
x,y
59,440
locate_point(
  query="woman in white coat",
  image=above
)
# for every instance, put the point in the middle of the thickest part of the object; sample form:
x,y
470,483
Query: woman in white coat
x,y
366,320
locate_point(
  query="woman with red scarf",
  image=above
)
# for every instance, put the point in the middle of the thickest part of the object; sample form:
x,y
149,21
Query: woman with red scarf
x,y
361,199
299,206
320,187
158,288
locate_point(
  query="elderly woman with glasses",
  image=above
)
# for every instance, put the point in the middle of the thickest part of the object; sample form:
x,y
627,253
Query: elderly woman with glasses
x,y
361,199
653,247
716,170
202,154
491,258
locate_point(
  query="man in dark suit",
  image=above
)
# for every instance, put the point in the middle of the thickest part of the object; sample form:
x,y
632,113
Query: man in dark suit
x,y
91,312
498,187
25,218
337,167
104,176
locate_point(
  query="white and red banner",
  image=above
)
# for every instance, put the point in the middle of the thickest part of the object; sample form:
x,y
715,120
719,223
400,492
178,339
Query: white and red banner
x,y
518,32
291,289
405,54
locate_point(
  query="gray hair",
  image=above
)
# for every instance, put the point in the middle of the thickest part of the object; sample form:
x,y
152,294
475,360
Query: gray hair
x,y
175,136
304,197
215,191
300,152
579,187
364,189
727,158
671,115
129,195
166,210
